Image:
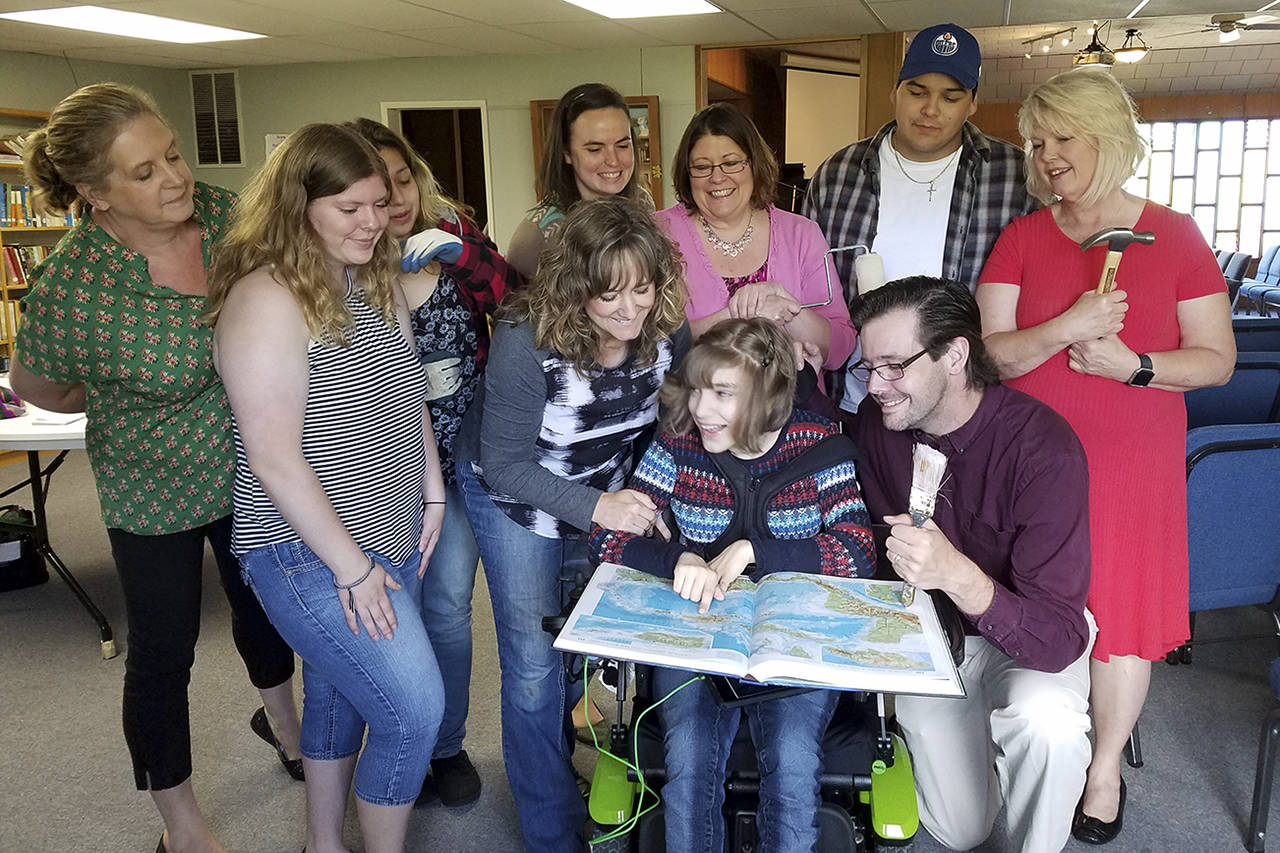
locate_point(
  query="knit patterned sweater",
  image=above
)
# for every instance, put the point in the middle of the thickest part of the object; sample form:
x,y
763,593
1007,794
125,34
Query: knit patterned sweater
x,y
816,523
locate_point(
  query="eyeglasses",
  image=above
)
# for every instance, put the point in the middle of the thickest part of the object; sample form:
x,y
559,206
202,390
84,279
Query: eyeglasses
x,y
728,167
889,371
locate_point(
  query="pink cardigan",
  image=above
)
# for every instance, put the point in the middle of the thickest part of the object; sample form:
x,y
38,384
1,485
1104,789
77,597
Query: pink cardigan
x,y
795,260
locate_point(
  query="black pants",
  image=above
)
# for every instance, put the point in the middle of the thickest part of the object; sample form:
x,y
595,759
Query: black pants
x,y
161,580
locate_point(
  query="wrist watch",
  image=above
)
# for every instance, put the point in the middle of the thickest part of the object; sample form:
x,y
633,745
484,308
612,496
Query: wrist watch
x,y
1142,377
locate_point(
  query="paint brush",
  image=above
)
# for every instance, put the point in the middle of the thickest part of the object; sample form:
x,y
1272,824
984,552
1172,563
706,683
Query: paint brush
x,y
928,465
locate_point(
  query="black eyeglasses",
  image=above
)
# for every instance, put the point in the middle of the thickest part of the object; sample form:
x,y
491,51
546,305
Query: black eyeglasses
x,y
888,372
728,167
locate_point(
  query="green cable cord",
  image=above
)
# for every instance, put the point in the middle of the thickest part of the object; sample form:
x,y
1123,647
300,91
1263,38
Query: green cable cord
x,y
629,825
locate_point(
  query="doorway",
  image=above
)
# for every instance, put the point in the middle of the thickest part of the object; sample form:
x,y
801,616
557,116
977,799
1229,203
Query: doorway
x,y
453,137
802,96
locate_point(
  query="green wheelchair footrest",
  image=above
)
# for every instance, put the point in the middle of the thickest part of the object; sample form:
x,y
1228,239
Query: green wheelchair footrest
x,y
613,796
895,815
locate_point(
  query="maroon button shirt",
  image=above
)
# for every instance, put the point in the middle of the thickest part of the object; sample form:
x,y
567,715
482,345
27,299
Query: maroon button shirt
x,y
1015,500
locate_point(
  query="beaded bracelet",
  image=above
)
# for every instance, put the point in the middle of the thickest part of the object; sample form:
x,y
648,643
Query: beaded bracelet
x,y
350,587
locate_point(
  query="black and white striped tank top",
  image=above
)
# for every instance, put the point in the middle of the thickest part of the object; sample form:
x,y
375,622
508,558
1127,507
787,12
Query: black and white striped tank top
x,y
362,435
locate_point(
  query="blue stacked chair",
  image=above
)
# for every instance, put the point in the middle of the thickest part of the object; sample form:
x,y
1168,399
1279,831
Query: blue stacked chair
x,y
1256,334
1252,291
1251,396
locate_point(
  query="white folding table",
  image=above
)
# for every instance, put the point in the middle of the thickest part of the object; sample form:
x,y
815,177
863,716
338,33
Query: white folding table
x,y
35,431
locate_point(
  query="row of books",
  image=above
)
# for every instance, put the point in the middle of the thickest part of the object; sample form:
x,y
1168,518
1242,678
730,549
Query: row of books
x,y
11,148
9,314
20,260
16,210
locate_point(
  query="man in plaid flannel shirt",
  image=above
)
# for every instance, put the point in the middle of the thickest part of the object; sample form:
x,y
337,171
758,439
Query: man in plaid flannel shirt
x,y
979,181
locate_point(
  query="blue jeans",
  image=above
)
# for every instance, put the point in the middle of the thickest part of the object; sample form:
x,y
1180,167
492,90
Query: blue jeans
x,y
349,680
523,571
697,735
444,598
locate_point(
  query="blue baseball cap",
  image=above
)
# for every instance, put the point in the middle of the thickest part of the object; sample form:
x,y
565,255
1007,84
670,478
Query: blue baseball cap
x,y
945,49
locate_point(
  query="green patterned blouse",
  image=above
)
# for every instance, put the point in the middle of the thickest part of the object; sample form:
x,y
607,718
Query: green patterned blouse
x,y
159,426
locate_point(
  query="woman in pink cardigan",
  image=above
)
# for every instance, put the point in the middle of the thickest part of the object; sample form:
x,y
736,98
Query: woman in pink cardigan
x,y
745,257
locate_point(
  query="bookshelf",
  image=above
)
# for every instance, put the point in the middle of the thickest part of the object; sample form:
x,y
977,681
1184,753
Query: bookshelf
x,y
21,245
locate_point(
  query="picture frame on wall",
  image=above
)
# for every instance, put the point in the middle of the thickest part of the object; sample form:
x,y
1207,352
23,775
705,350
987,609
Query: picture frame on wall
x,y
645,120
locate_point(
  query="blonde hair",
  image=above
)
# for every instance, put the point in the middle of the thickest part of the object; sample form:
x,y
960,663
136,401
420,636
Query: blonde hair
x,y
1090,104
761,350
270,228
433,204
74,145
602,241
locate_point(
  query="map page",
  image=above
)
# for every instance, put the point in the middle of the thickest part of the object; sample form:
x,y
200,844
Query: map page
x,y
791,628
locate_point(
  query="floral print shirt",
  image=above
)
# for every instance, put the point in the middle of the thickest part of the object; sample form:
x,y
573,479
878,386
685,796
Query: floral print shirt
x,y
159,425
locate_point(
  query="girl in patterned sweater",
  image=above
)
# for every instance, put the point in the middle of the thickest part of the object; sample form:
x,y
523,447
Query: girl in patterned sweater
x,y
755,487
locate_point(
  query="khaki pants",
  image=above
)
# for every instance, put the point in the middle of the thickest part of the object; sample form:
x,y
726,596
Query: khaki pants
x,y
1019,738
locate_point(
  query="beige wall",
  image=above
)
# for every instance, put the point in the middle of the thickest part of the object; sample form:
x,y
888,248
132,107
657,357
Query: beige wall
x,y
822,116
281,98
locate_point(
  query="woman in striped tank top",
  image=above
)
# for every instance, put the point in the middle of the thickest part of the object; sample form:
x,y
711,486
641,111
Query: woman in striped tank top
x,y
338,493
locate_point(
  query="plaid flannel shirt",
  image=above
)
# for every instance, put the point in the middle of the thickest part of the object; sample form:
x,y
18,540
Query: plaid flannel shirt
x,y
483,277
990,190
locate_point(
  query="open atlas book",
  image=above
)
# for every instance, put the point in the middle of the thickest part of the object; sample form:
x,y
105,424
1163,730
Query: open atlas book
x,y
791,628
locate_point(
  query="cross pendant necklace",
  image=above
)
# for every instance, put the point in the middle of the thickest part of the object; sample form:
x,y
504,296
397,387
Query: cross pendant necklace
x,y
931,181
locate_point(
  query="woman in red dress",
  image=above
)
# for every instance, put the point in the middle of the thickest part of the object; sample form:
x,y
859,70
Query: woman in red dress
x,y
1115,366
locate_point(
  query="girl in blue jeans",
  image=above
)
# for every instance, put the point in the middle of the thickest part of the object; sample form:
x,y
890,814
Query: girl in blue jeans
x,y
453,281
573,378
756,487
338,493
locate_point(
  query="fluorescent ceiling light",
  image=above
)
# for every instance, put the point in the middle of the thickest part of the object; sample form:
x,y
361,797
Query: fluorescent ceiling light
x,y
645,8
114,22
1137,9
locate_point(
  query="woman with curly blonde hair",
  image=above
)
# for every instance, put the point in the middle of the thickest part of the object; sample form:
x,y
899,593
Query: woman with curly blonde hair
x,y
573,379
339,497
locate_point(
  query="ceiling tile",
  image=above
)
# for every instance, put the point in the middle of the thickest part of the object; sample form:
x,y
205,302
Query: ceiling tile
x,y
589,35
127,57
913,15
390,15
808,22
236,14
700,29
383,44
482,38
511,11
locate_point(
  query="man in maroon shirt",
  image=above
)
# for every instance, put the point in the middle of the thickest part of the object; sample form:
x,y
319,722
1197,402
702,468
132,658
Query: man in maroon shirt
x,y
1008,544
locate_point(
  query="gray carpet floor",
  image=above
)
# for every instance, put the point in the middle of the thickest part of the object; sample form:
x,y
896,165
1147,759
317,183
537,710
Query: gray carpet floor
x,y
67,785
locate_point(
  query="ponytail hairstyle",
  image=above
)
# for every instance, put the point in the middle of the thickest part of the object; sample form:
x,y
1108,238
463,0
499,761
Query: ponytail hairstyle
x,y
73,147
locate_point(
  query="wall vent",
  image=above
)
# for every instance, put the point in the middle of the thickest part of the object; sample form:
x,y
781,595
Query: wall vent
x,y
215,98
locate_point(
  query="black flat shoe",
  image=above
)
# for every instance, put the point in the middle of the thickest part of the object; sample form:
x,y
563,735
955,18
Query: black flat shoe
x,y
160,848
262,728
1090,830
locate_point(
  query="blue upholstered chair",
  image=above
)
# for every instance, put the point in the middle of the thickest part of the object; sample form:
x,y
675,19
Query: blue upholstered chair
x,y
1266,277
1256,334
1233,489
1251,396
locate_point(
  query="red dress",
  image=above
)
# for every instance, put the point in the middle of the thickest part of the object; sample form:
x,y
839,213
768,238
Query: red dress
x,y
1135,438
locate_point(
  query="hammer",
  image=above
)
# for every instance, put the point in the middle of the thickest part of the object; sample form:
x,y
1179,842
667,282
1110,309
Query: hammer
x,y
1116,239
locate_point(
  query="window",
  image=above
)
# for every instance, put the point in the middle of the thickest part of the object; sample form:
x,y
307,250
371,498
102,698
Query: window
x,y
1226,174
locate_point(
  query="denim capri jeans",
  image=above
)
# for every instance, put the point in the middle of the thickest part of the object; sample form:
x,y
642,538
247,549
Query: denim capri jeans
x,y
350,681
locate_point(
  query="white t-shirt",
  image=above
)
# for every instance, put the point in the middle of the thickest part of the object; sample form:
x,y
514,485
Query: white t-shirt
x,y
911,230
